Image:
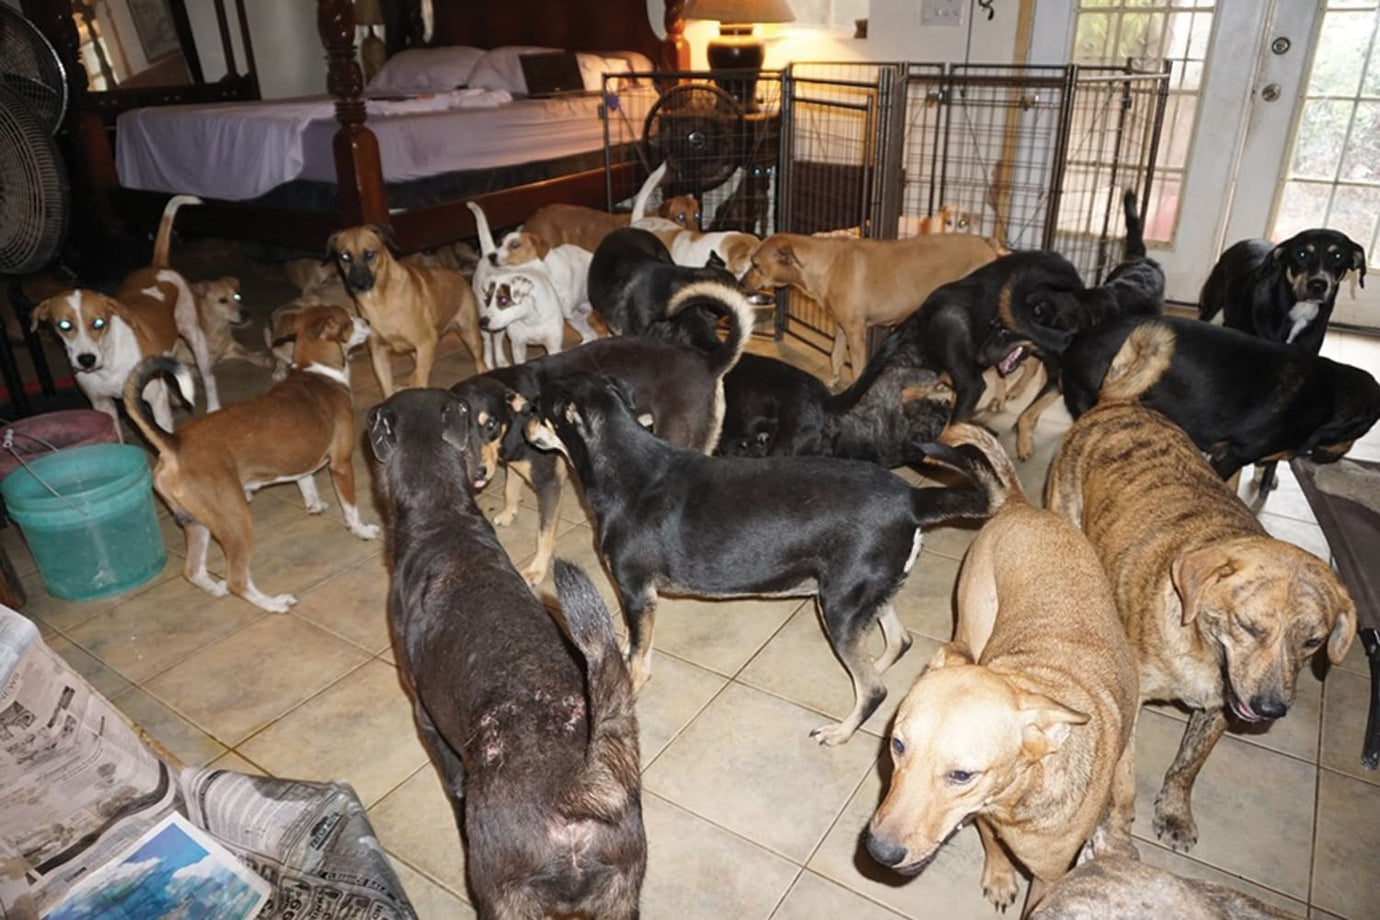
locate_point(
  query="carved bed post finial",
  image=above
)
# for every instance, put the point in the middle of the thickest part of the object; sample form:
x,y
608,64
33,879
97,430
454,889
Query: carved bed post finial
x,y
675,37
359,173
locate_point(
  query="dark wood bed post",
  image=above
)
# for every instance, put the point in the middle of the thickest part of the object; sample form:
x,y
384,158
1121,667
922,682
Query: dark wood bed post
x,y
358,169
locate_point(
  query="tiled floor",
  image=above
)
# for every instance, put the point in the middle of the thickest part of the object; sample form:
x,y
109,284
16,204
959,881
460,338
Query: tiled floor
x,y
746,816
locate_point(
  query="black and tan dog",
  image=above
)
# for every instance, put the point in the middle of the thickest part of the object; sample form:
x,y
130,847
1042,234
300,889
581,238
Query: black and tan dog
x,y
1283,293
674,520
409,306
1221,616
1240,398
535,743
678,385
632,278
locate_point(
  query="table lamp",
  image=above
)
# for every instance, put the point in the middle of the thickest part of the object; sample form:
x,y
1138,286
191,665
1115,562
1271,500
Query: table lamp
x,y
737,48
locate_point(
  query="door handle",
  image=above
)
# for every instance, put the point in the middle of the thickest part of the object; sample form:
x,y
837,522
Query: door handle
x,y
1269,92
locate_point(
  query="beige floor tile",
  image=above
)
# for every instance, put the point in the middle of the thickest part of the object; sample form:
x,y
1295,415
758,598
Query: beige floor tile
x,y
429,900
352,604
1186,866
1355,660
950,886
576,546
272,508
816,898
925,602
951,540
1305,534
1316,914
305,551
799,664
243,682
698,871
1348,838
147,633
1345,707
667,703
747,763
416,823
1253,807
719,635
320,739
233,761
107,682
183,740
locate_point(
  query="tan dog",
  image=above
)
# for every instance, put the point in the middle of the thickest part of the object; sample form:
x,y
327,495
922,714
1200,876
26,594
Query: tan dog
x,y
207,470
865,283
1221,616
408,306
1024,721
558,224
220,309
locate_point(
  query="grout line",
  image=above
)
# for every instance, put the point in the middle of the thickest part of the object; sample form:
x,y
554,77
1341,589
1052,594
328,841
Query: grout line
x,y
298,705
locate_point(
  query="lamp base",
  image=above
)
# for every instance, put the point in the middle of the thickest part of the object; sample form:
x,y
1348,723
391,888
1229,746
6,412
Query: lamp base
x,y
737,48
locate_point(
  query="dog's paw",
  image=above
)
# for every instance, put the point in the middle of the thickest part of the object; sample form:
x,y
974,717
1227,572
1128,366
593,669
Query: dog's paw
x,y
366,531
317,507
1000,886
831,735
1174,826
506,517
278,603
1025,446
533,575
213,586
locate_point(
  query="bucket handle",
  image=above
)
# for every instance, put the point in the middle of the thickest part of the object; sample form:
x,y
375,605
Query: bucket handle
x,y
7,443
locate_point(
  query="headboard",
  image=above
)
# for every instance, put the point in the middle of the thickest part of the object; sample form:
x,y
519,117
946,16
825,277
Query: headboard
x,y
573,25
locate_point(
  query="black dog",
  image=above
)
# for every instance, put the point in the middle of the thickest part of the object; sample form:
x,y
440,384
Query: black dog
x,y
536,743
679,385
632,279
1282,293
1240,398
674,520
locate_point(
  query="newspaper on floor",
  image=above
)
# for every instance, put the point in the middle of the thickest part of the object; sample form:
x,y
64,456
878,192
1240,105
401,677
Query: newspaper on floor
x,y
78,788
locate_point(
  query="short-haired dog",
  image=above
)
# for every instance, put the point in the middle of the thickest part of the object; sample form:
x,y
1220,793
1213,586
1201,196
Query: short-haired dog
x,y
530,725
1221,615
674,520
220,309
523,307
632,277
1024,722
208,469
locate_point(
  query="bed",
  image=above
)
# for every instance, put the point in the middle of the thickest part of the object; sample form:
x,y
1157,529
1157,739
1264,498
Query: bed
x,y
289,173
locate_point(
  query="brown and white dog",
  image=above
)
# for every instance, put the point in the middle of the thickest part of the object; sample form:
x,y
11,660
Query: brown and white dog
x,y
220,308
863,282
106,337
207,470
558,224
409,307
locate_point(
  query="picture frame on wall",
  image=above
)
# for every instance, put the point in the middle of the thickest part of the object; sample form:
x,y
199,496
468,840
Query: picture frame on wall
x,y
153,22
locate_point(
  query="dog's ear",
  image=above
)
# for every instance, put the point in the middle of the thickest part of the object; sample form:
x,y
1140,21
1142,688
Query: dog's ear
x,y
1343,632
332,248
785,254
455,425
714,261
383,432
385,233
1358,262
43,313
539,245
328,328
951,655
1045,724
624,393
1194,572
284,325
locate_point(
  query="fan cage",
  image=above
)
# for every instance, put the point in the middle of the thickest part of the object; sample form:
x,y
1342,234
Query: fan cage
x,y
33,190
31,70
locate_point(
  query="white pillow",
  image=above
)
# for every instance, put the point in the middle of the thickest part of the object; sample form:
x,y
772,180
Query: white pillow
x,y
594,66
501,69
426,70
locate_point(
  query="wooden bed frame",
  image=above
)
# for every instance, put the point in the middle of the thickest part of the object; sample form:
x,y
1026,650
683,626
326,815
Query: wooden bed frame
x,y
583,25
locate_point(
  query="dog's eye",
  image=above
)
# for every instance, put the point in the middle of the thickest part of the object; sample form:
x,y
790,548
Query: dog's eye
x,y
1312,645
368,255
98,323
345,257
64,325
898,747
959,777
1301,254
514,244
237,298
1336,256
1251,629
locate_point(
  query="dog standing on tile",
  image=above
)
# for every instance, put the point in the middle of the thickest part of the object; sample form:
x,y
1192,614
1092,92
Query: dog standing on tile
x,y
531,727
107,337
524,308
408,307
1221,616
1024,722
208,469
220,310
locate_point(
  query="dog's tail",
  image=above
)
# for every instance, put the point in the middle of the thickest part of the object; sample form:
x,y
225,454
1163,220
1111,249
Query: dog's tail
x,y
1135,227
481,226
163,241
639,209
721,299
976,453
603,789
1139,363
165,442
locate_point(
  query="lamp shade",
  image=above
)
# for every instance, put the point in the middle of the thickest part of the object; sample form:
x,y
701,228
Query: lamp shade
x,y
740,10
367,13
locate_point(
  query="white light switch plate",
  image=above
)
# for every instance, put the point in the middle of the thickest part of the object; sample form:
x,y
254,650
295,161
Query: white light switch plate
x,y
943,12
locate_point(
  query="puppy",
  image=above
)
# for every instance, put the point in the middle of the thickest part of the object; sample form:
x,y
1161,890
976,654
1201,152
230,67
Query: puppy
x,y
865,283
220,309
679,385
1240,398
535,741
526,308
673,520
748,205
107,337
632,277
945,220
1220,615
559,224
1024,721
409,307
208,469
1282,293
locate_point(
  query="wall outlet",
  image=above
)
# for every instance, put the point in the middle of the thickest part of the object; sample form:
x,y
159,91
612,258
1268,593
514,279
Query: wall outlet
x,y
943,12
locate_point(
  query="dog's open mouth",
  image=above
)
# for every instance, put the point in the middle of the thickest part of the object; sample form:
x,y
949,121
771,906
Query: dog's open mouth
x,y
1012,359
1244,712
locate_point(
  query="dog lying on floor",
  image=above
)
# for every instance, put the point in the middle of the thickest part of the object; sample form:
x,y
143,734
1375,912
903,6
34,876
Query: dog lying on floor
x,y
1024,722
536,746
673,520
679,385
1240,398
632,277
1221,616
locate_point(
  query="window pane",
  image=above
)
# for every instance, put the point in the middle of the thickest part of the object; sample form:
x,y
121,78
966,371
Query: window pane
x,y
1362,160
1090,40
1303,205
1177,132
1354,212
1322,130
1341,53
1164,206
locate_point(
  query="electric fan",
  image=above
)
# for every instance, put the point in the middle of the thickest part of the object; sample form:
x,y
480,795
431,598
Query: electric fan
x,y
31,70
697,129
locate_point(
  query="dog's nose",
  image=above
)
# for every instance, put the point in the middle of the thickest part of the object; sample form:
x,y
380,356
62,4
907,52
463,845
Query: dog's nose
x,y
1317,286
86,360
886,853
483,322
1268,707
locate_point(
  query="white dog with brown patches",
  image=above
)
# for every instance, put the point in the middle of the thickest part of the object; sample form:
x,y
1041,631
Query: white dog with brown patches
x,y
107,337
693,248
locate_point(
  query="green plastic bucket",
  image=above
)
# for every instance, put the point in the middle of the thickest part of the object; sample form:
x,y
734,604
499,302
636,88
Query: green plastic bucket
x,y
101,537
